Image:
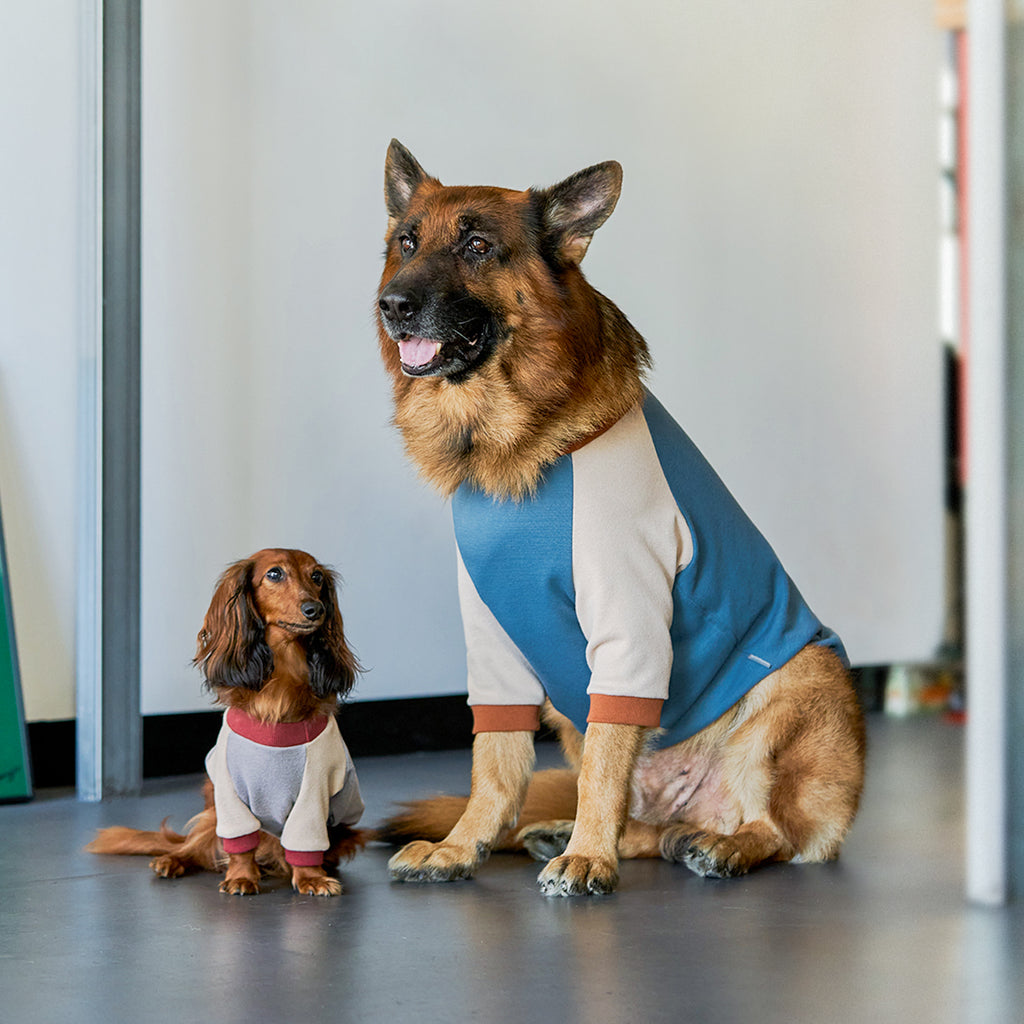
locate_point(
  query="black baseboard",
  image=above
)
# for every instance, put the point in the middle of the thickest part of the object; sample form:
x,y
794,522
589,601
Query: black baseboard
x,y
51,749
178,744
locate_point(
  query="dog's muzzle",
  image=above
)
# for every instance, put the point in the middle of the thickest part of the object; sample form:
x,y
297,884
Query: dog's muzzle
x,y
435,336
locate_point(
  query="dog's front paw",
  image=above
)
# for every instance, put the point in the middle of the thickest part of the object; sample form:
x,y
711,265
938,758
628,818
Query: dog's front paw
x,y
578,876
315,882
546,839
434,862
241,886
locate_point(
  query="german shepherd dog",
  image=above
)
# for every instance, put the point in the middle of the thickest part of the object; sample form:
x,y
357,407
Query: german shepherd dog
x,y
608,581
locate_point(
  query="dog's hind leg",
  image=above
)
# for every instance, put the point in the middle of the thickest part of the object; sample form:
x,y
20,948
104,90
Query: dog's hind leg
x,y
714,855
502,765
795,768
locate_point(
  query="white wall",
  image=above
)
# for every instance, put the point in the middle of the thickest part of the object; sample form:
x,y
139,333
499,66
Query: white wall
x,y
775,242
39,318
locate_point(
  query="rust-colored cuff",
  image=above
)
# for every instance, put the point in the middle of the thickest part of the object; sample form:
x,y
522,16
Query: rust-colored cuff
x,y
645,711
506,717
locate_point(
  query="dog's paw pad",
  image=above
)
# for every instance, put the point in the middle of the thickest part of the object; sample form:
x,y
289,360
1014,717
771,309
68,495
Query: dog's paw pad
x,y
546,839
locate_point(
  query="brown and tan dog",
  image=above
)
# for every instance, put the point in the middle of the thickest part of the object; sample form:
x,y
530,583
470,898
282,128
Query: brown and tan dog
x,y
273,651
506,367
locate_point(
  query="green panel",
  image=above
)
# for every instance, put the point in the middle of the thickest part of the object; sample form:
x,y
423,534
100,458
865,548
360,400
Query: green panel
x,y
15,775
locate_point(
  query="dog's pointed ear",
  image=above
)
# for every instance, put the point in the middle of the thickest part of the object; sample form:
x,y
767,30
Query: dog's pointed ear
x,y
402,176
571,211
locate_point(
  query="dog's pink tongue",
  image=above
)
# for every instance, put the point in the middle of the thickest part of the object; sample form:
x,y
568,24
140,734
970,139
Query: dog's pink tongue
x,y
418,351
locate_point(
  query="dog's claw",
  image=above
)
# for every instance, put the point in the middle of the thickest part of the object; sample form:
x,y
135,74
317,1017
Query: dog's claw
x,y
578,876
314,881
239,887
319,887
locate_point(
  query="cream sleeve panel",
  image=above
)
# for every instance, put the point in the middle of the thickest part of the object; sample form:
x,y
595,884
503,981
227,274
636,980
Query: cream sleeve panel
x,y
327,772
629,540
497,671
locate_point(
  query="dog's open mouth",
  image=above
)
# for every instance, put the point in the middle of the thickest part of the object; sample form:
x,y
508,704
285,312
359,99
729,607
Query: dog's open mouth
x,y
418,354
424,357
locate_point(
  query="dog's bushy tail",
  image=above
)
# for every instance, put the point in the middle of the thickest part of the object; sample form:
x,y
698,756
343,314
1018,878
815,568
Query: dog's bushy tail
x,y
551,797
119,839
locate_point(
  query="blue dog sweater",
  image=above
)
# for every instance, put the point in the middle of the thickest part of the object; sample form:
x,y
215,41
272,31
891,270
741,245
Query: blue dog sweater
x,y
630,588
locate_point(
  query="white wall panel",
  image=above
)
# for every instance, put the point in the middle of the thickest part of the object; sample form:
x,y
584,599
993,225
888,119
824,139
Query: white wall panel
x,y
775,242
40,172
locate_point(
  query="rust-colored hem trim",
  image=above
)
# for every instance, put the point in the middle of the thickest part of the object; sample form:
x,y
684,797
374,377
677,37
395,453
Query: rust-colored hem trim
x,y
645,711
506,717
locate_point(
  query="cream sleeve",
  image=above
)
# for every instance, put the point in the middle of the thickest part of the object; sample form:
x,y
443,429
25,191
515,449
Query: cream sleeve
x,y
629,540
498,676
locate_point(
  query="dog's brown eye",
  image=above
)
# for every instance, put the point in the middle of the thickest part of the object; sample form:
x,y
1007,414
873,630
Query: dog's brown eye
x,y
317,577
407,243
480,246
275,574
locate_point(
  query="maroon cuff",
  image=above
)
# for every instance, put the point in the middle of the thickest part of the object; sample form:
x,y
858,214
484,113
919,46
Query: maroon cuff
x,y
242,844
304,858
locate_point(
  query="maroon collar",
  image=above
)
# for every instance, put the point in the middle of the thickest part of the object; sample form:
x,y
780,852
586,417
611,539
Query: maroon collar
x,y
275,734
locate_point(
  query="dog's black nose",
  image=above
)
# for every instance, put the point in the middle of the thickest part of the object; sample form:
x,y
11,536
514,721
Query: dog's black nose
x,y
312,610
399,304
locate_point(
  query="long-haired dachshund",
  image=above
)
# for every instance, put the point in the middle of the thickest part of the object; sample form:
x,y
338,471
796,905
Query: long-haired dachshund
x,y
282,794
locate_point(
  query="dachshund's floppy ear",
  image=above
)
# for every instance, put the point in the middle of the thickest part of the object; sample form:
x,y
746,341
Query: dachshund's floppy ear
x,y
332,665
231,650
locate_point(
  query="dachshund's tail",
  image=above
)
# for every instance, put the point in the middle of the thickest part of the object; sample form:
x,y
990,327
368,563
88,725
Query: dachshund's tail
x,y
119,839
551,797
174,854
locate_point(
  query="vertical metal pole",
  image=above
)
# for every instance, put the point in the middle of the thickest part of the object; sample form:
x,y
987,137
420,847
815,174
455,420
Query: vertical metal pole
x,y
88,618
109,723
1014,122
986,492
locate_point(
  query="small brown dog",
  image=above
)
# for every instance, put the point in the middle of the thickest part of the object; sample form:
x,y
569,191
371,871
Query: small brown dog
x,y
282,795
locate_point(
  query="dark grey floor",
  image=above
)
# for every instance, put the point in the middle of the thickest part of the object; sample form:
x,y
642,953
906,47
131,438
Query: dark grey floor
x,y
882,935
